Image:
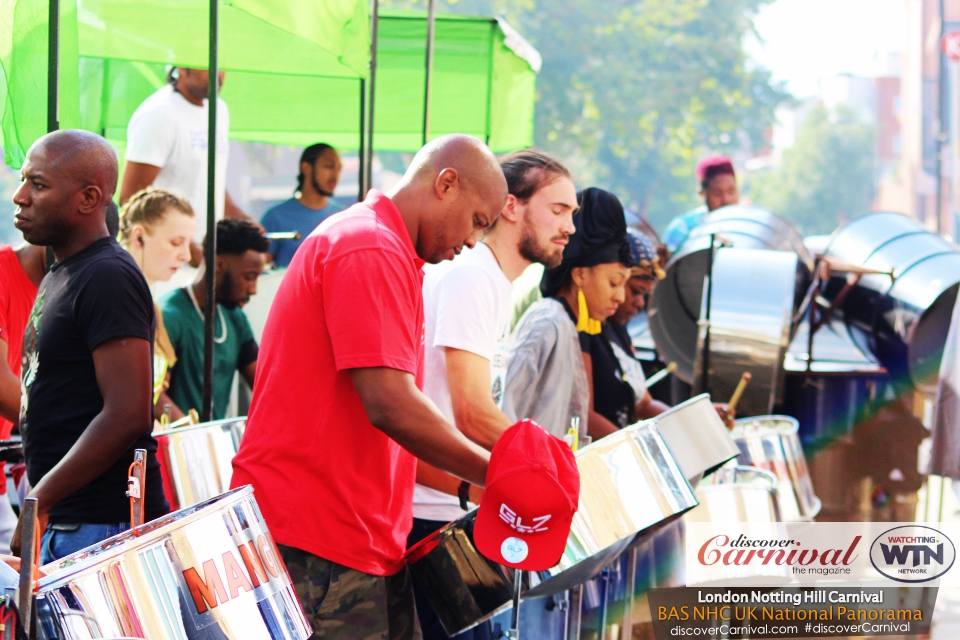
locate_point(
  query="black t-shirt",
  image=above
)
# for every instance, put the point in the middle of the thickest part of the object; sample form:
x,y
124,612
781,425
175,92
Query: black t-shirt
x,y
613,397
96,295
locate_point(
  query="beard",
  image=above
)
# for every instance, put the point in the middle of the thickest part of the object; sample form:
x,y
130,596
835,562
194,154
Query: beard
x,y
223,292
531,250
316,186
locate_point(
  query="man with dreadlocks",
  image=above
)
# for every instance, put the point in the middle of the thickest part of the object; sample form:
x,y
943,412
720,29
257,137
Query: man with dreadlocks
x,y
310,205
167,148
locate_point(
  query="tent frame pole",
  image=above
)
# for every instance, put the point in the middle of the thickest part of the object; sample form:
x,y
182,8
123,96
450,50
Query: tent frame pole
x,y
428,77
367,164
210,247
53,66
362,151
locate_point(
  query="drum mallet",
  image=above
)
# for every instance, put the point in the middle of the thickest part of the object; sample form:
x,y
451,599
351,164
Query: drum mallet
x,y
660,375
29,565
741,387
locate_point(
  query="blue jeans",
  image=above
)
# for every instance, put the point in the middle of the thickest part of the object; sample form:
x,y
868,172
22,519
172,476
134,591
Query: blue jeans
x,y
60,540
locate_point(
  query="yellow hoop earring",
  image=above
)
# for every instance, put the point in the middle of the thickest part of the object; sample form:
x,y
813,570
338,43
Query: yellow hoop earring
x,y
585,323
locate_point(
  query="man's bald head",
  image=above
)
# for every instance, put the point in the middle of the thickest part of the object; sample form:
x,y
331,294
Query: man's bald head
x,y
84,156
68,180
454,188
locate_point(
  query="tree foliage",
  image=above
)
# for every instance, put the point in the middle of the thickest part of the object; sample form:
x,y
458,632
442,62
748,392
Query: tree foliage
x,y
826,177
632,92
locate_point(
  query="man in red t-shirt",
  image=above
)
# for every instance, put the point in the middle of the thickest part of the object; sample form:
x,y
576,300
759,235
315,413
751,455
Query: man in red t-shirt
x,y
21,271
338,416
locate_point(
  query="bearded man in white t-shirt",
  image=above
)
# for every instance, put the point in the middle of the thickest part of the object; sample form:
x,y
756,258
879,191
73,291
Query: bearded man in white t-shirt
x,y
467,309
167,147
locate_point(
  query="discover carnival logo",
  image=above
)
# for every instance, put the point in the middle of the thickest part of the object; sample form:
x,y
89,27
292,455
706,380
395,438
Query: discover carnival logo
x,y
912,553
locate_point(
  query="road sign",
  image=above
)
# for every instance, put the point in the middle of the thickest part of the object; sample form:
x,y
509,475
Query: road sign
x,y
950,44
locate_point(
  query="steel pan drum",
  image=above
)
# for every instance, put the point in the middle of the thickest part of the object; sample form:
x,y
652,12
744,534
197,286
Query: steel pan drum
x,y
197,461
751,312
675,306
772,443
211,571
744,495
696,436
629,482
903,321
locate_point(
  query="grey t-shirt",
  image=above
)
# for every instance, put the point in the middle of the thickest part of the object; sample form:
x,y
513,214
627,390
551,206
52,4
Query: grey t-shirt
x,y
546,380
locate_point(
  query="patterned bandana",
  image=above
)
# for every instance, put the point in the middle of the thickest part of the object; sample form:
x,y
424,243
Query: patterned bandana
x,y
644,255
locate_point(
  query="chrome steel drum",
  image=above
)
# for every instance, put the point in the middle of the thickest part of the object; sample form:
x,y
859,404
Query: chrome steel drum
x,y
751,313
772,443
629,482
903,321
747,496
675,306
197,461
210,571
696,436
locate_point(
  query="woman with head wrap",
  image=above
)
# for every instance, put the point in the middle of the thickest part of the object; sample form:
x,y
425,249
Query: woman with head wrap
x,y
620,395
546,375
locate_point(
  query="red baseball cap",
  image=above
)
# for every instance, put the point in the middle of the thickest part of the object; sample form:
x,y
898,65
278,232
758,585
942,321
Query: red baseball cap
x,y
533,490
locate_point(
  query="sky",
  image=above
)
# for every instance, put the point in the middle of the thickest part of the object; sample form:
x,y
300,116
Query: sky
x,y
804,40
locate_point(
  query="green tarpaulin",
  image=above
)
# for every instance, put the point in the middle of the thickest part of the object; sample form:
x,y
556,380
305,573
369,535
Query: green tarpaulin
x,y
294,70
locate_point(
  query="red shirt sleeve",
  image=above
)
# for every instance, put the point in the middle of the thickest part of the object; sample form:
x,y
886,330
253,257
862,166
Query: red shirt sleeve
x,y
4,306
372,300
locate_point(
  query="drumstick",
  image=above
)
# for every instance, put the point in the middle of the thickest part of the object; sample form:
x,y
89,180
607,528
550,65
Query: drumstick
x,y
741,387
660,375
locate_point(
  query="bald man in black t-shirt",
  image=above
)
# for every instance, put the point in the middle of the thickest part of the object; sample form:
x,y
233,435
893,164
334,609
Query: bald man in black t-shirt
x,y
87,351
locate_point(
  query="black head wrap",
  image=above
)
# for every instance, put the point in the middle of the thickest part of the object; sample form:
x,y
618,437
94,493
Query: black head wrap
x,y
600,238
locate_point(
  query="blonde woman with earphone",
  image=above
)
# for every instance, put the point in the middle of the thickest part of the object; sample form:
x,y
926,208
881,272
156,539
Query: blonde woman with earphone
x,y
156,227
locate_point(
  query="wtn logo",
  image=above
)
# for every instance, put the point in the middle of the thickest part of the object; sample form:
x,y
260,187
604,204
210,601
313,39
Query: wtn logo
x,y
912,553
899,554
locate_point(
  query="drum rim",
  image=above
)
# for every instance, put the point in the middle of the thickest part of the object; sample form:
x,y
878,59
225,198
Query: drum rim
x,y
787,426
197,427
156,530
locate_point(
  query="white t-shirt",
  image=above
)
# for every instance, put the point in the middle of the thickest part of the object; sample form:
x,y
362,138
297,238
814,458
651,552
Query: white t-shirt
x,y
169,132
466,305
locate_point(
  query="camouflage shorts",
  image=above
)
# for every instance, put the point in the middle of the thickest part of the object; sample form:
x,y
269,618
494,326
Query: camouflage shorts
x,y
346,604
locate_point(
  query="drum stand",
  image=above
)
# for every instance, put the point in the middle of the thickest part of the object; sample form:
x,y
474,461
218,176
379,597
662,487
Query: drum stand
x,y
513,633
574,612
29,564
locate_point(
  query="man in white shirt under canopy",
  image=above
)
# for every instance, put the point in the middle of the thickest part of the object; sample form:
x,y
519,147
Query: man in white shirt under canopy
x,y
467,310
167,147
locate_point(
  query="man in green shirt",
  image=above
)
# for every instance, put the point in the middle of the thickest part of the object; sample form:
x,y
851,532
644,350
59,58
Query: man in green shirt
x,y
240,248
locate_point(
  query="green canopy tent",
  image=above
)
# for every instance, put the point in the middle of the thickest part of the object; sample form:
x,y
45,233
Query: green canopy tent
x,y
292,77
297,72
113,53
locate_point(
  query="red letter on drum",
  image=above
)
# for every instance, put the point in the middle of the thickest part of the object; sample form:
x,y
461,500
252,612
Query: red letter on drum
x,y
208,591
266,554
236,579
254,566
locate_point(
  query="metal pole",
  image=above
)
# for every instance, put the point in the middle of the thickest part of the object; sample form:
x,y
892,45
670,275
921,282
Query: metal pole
x,y
361,153
53,67
630,596
428,78
374,24
576,610
29,561
604,603
210,248
705,374
941,130
514,632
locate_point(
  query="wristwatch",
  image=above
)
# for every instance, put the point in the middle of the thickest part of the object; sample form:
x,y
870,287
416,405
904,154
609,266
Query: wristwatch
x,y
463,492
